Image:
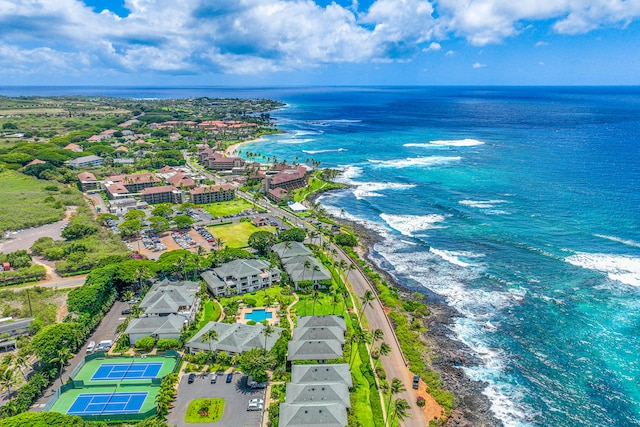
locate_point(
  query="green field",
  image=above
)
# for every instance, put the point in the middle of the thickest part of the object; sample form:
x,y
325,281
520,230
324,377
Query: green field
x,y
90,368
205,410
236,235
230,207
27,203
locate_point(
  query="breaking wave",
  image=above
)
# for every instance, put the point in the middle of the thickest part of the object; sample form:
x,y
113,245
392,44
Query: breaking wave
x,y
416,161
621,268
408,225
467,142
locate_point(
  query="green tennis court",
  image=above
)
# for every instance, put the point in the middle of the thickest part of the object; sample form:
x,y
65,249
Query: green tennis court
x,y
93,371
68,401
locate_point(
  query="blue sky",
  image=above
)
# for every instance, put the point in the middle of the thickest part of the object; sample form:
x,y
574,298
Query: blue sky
x,y
321,42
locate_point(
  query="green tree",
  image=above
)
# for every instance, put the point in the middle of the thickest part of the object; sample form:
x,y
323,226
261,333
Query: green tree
x,y
267,331
262,241
130,227
256,362
400,410
345,239
396,387
135,214
78,231
292,235
50,339
159,224
366,298
210,335
183,222
162,210
104,217
62,356
8,380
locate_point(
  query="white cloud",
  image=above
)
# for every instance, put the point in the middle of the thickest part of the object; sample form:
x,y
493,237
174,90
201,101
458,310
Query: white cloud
x,y
256,36
478,65
433,47
541,44
450,53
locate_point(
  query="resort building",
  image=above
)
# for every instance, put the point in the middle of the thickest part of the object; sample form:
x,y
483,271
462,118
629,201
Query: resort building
x,y
240,276
10,328
88,181
165,327
85,161
300,265
212,194
287,178
163,194
73,147
234,338
167,298
286,250
135,183
317,338
218,162
317,395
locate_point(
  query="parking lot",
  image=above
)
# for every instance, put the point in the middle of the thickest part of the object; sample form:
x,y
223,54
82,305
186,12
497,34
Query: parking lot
x,y
236,397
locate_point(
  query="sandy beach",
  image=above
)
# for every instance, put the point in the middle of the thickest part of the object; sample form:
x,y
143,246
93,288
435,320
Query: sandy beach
x,y
232,150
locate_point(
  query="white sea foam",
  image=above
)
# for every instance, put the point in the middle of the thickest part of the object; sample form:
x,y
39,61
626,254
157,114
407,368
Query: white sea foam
x,y
294,140
454,256
416,161
324,151
627,242
410,224
370,189
481,204
622,268
367,189
447,143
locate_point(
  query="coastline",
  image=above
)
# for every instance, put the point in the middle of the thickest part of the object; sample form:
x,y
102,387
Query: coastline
x,y
232,150
472,407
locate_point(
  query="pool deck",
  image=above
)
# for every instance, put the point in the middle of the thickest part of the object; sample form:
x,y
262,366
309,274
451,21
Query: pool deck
x,y
274,321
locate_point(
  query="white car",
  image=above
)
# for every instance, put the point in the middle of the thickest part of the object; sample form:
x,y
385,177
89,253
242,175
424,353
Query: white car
x,y
256,401
254,407
91,347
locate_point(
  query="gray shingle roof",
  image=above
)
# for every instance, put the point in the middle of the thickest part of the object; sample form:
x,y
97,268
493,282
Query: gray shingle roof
x,y
290,249
308,394
295,268
241,268
314,350
234,337
166,297
320,321
329,415
319,333
171,324
320,374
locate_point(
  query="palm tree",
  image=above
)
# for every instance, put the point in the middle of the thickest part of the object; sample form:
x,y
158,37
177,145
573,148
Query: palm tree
x,y
314,296
8,380
366,299
267,332
384,350
378,334
400,410
350,267
61,358
210,335
335,299
396,387
21,362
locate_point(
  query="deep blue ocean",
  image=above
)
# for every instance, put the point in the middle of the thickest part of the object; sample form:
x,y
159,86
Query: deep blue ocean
x,y
520,207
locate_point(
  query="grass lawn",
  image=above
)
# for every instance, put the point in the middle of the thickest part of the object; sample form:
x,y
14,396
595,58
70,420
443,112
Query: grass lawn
x,y
212,313
230,207
206,410
324,306
236,235
274,292
32,205
360,398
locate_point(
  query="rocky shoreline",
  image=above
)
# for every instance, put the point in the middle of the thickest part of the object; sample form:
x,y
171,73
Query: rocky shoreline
x,y
472,408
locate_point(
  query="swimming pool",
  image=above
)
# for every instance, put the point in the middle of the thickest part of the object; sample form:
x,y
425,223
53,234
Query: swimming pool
x,y
258,315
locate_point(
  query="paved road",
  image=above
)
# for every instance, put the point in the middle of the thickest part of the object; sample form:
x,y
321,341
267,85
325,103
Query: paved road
x,y
62,283
106,330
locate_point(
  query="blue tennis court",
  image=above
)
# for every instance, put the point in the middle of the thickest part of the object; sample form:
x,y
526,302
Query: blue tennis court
x,y
126,371
107,403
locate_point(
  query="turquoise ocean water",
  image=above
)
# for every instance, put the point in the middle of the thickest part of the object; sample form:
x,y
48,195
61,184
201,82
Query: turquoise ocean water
x,y
519,207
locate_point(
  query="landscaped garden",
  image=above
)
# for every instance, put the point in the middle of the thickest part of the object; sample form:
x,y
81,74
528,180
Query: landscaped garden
x,y
205,410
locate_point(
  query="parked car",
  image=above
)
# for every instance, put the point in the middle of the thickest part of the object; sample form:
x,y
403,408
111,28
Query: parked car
x,y
229,377
255,384
191,378
214,378
126,311
416,382
254,407
104,345
256,401
91,347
